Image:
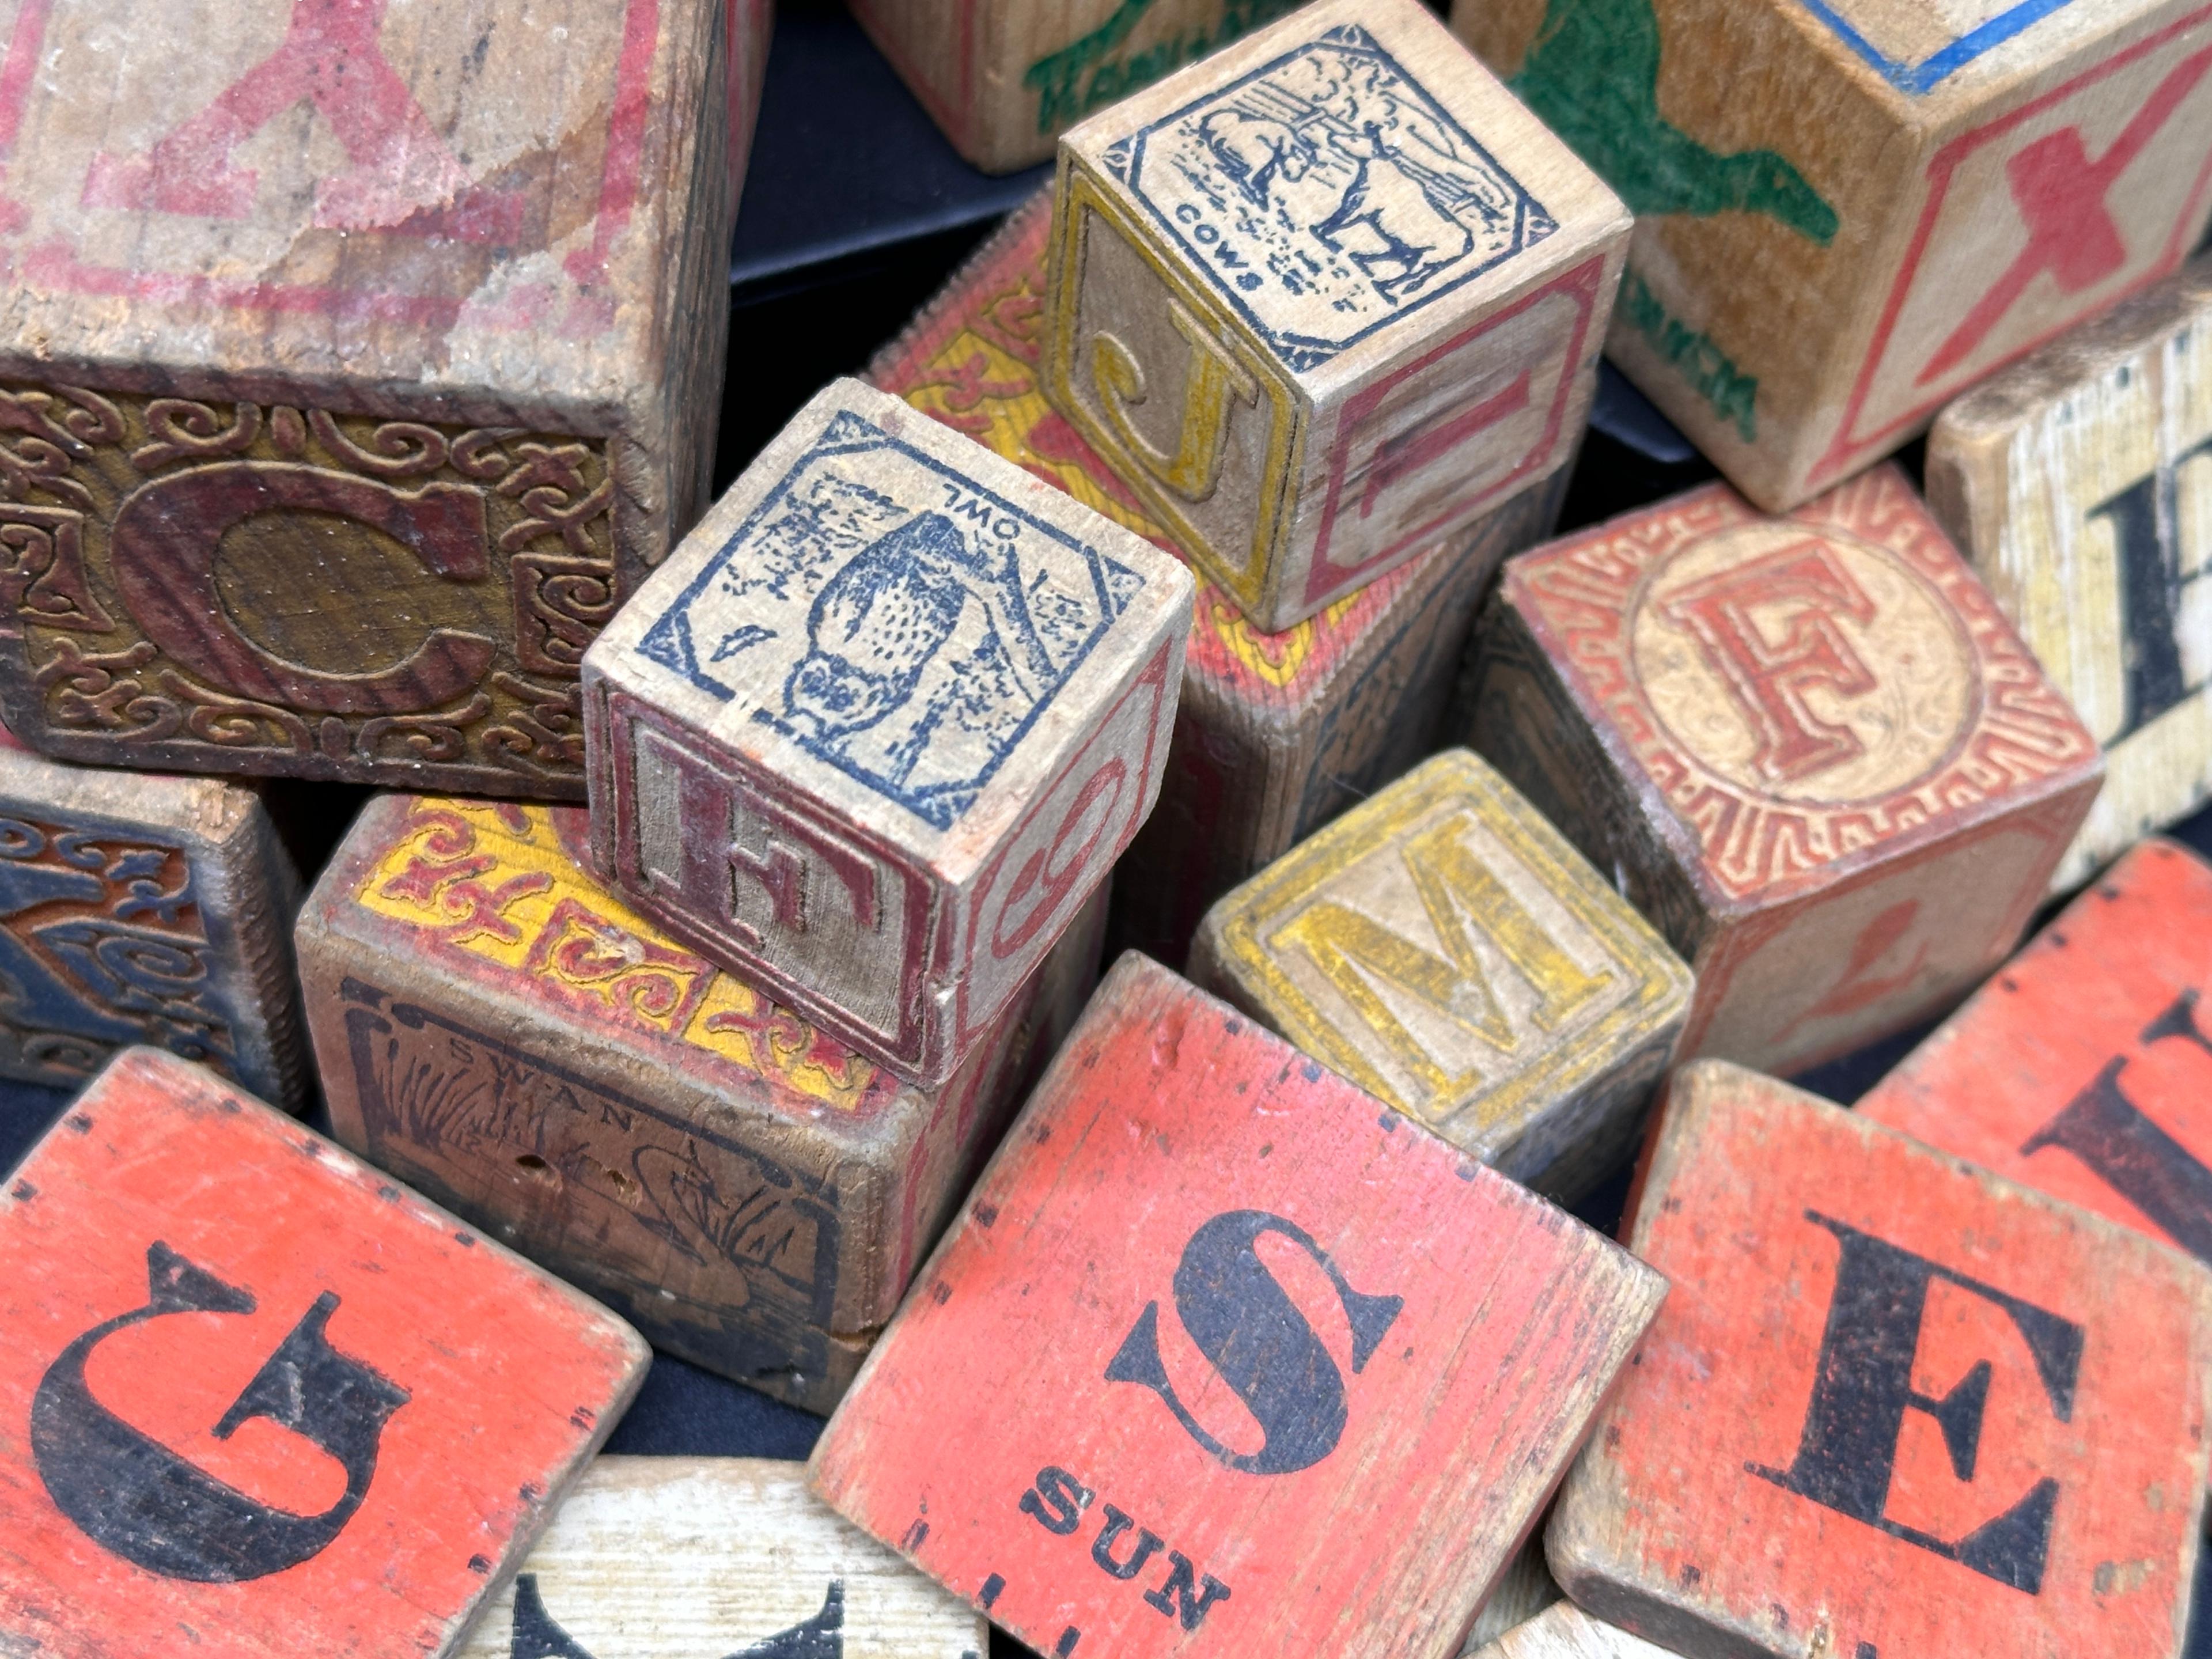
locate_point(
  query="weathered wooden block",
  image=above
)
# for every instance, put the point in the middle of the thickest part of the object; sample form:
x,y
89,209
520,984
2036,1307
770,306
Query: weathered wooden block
x,y
1445,949
257,1397
358,362
1563,1630
883,725
1326,299
1912,196
1810,749
2079,485
1276,734
1004,78
750,25
2080,1069
1894,1404
500,1030
1523,1592
136,908
660,1557
1365,1325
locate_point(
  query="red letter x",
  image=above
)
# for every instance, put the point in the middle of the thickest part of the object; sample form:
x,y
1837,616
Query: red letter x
x,y
2071,234
404,176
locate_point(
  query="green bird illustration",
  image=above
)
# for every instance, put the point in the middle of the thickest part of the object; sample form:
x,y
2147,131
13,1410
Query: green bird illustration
x,y
1592,75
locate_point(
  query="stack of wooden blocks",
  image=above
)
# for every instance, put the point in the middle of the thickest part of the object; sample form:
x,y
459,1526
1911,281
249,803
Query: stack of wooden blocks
x,y
719,969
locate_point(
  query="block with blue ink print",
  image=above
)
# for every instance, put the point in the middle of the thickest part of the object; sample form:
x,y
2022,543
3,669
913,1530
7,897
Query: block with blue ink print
x,y
1326,297
883,724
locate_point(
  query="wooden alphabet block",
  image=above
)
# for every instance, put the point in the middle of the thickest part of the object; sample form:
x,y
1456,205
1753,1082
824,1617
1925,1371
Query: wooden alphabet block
x,y
2079,485
1524,1591
1894,1405
1563,1630
1004,78
1325,299
255,1397
667,1557
882,726
1445,949
750,25
2080,1069
1276,734
137,908
360,361
1810,749
500,1031
1188,1215
1848,211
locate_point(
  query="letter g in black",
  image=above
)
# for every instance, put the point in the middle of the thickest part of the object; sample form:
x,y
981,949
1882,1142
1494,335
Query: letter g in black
x,y
1244,1324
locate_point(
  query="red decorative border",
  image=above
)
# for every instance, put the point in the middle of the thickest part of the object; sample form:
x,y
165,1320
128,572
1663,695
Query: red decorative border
x,y
1324,576
1845,449
1578,598
53,264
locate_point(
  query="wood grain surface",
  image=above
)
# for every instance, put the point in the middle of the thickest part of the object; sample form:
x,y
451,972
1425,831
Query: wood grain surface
x,y
1524,1590
1213,1325
140,909
499,1030
2080,1069
1444,947
359,360
1326,298
683,1557
2079,485
1847,213
1004,78
1276,734
254,1390
1563,1630
882,726
1894,1405
1810,748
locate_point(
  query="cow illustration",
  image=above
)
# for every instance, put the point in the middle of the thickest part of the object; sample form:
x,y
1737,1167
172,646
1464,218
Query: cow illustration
x,y
1254,151
1388,221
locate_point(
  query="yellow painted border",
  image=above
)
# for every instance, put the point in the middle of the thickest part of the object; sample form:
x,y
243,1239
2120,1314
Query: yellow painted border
x,y
1664,984
1079,193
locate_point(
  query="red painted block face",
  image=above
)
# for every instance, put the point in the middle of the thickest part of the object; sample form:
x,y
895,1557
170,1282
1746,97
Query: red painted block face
x,y
255,1397
2084,1069
1216,1346
1896,1407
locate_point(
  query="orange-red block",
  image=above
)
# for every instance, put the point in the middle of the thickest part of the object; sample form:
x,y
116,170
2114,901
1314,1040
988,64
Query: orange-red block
x,y
1225,1356
1896,1407
256,1401
2084,1069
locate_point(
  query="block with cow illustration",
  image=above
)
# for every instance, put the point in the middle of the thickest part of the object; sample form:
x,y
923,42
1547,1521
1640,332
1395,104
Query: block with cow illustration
x,y
499,1030
2081,1068
361,360
260,1398
1894,1405
140,908
881,725
686,1558
1212,1326
1850,211
1276,734
1810,749
1445,948
1325,298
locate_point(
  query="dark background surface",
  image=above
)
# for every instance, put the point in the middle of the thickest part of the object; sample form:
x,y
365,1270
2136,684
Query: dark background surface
x,y
855,211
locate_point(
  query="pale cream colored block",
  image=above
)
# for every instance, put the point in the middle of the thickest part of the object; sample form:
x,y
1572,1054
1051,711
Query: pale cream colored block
x,y
1563,1630
1525,1590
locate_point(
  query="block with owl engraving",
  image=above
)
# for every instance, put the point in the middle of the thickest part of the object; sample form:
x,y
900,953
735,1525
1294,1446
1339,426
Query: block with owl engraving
x,y
1445,948
1894,1405
260,1398
140,908
502,1032
1224,1355
361,359
1810,748
1325,297
883,725
693,1558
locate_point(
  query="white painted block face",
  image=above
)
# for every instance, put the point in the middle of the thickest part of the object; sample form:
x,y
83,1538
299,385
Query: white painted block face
x,y
701,1557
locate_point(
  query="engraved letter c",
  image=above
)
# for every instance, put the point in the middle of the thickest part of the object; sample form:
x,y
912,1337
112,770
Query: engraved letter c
x,y
163,549
1213,383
